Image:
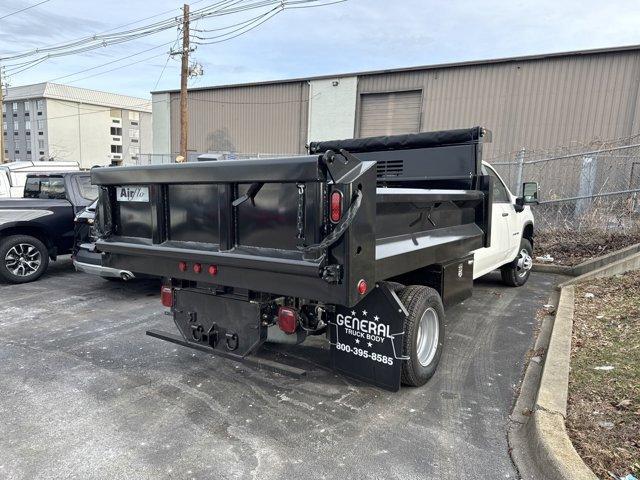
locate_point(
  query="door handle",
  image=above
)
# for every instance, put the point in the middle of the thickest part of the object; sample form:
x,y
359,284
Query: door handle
x,y
505,214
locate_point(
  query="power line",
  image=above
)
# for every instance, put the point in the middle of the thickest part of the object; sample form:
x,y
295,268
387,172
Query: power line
x,y
80,40
102,40
23,9
243,27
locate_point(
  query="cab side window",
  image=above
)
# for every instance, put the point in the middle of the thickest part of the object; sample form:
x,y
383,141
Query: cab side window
x,y
45,188
500,194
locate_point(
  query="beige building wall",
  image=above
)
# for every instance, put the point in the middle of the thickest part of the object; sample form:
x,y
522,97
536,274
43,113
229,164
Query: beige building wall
x,y
78,132
537,102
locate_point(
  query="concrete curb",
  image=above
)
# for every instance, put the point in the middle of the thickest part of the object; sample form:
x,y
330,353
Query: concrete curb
x,y
589,265
631,262
538,438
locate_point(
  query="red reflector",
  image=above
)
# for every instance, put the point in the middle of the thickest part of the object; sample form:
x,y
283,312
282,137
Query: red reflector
x,y
336,206
166,296
213,270
197,268
362,287
182,266
287,320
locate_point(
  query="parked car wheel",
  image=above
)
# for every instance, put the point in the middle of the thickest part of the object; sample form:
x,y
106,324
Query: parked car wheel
x,y
516,273
423,334
22,259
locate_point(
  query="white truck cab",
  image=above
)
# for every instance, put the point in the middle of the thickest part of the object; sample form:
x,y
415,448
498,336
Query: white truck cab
x,y
13,175
511,248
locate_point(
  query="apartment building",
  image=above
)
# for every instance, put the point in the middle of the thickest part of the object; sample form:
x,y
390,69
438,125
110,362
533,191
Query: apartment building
x,y
49,121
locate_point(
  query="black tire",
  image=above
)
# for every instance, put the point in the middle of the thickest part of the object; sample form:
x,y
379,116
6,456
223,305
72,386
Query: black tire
x,y
516,273
417,300
19,248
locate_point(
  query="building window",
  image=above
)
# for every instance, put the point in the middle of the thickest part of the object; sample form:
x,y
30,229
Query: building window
x,y
27,125
41,144
116,121
15,106
134,140
116,148
4,126
28,152
17,152
40,124
41,152
15,126
134,124
134,133
116,131
134,116
26,107
39,105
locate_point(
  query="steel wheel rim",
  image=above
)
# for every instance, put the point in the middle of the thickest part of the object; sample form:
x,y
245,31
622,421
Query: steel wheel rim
x,y
524,263
23,259
427,338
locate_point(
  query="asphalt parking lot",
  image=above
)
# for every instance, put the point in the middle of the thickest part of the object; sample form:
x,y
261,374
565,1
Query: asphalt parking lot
x,y
85,394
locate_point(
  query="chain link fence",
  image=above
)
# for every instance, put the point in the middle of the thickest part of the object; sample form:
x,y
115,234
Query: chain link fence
x,y
582,187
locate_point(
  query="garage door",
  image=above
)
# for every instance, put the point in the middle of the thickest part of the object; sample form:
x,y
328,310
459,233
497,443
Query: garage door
x,y
390,113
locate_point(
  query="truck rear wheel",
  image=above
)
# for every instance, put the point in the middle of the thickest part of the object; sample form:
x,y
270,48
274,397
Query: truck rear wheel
x,y
22,259
516,273
423,334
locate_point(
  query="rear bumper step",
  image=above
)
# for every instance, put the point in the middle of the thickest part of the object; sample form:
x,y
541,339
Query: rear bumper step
x,y
252,360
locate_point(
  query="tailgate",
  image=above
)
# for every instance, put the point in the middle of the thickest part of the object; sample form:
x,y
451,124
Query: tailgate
x,y
264,225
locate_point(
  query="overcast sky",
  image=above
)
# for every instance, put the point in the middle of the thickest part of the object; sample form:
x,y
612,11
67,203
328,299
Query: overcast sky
x,y
351,36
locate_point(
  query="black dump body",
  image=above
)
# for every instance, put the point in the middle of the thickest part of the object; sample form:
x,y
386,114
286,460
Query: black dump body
x,y
255,250
422,200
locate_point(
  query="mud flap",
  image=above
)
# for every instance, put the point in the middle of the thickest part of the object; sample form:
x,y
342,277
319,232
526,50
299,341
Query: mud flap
x,y
366,340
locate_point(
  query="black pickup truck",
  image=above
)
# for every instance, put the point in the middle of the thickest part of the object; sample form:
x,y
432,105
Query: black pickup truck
x,y
364,240
40,226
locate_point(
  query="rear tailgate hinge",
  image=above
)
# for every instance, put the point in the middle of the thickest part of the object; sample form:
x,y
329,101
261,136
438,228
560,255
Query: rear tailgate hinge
x,y
332,273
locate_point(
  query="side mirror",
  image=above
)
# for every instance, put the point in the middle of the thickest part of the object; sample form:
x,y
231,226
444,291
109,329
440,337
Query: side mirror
x,y
529,196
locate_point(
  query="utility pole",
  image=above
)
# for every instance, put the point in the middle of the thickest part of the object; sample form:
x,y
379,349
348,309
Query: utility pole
x,y
3,120
184,76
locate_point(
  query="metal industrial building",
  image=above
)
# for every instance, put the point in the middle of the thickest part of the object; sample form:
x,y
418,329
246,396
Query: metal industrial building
x,y
52,121
533,102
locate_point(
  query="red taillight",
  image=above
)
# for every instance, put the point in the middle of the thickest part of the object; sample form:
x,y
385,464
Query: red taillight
x,y
166,296
182,266
336,206
362,287
287,320
197,268
213,270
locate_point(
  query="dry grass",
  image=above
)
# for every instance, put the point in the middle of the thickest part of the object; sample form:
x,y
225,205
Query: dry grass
x,y
603,417
571,248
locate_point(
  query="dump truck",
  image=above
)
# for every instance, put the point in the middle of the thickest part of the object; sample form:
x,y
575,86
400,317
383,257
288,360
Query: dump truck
x,y
364,241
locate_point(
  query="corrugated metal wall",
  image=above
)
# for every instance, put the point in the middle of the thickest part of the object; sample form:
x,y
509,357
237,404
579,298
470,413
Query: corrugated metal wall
x,y
252,119
531,103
